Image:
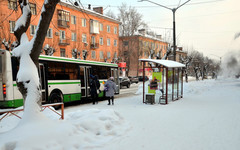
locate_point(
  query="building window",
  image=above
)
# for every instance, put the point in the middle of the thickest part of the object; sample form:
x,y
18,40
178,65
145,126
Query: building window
x,y
62,35
93,54
108,42
12,26
152,45
49,33
63,15
101,55
33,8
62,52
12,4
94,26
108,28
101,41
101,26
74,36
93,40
115,30
84,38
147,44
115,54
115,42
63,18
84,23
73,19
108,55
32,29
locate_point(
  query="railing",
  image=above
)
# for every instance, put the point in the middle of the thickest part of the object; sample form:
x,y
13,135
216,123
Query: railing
x,y
13,111
64,42
63,23
94,46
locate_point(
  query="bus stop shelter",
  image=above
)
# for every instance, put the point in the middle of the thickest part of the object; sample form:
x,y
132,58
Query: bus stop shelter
x,y
166,83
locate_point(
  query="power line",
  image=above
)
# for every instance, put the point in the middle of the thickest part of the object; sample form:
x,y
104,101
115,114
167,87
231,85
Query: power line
x,y
8,16
160,27
40,9
195,3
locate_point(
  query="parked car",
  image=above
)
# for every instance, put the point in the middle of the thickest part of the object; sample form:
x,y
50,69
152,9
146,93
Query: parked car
x,y
133,79
140,78
124,81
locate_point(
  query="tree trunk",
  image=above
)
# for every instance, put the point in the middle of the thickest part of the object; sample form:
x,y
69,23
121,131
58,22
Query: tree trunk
x,y
28,51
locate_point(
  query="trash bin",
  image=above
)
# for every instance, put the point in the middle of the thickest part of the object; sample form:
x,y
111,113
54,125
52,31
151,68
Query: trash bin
x,y
150,98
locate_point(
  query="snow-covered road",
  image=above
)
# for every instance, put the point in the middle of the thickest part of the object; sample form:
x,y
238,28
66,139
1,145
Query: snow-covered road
x,y
206,118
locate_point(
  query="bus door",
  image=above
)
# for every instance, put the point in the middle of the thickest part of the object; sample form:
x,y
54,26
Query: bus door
x,y
84,77
43,82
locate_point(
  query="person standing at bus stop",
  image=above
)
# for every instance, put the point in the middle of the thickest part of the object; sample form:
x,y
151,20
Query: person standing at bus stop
x,y
93,88
110,88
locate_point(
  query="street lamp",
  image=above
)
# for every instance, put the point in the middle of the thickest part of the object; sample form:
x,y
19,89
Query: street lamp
x,y
174,29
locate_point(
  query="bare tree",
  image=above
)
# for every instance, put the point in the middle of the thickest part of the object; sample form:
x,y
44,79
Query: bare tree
x,y
167,54
28,53
131,20
109,13
187,62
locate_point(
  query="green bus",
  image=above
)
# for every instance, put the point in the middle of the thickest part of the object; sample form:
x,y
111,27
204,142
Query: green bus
x,y
62,79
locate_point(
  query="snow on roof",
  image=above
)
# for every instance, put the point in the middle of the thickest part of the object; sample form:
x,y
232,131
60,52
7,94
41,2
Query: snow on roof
x,y
149,36
166,63
89,11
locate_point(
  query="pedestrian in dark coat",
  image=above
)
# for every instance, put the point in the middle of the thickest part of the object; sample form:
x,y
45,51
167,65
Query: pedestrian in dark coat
x,y
97,86
93,88
110,88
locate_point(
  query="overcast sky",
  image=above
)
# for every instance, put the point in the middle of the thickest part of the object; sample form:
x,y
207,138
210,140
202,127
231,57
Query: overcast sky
x,y
208,26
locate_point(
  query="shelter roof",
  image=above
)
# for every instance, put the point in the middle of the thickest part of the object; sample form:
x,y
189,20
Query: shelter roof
x,y
165,63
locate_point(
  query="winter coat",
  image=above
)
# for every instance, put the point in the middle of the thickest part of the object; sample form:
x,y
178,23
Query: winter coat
x,y
111,88
93,87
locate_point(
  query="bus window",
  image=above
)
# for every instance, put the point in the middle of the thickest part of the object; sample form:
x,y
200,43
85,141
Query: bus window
x,y
15,67
82,77
102,72
62,71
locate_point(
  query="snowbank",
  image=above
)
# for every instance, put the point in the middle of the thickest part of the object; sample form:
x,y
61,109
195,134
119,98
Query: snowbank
x,y
206,118
80,130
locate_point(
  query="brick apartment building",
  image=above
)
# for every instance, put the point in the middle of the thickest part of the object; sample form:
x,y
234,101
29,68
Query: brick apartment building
x,y
180,53
73,32
138,46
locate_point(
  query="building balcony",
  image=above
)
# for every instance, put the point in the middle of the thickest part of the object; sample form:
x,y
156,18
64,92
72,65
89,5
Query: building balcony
x,y
94,46
63,23
64,42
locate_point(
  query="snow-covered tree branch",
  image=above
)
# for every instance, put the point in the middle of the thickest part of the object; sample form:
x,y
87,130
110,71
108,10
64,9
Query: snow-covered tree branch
x,y
28,53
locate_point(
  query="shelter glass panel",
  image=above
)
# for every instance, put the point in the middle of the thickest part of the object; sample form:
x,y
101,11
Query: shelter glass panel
x,y
180,83
176,84
170,84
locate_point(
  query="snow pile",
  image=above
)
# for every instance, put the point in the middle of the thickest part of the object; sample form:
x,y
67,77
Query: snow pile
x,y
207,118
79,130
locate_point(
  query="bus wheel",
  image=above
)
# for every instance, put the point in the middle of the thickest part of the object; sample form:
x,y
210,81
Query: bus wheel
x,y
56,98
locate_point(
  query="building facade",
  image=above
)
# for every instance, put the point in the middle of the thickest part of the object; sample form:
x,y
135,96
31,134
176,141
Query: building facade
x,y
138,46
180,53
73,32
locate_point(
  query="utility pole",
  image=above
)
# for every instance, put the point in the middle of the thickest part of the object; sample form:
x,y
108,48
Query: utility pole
x,y
174,24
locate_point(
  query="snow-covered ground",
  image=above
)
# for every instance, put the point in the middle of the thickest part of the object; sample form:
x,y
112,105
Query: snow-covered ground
x,y
207,118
